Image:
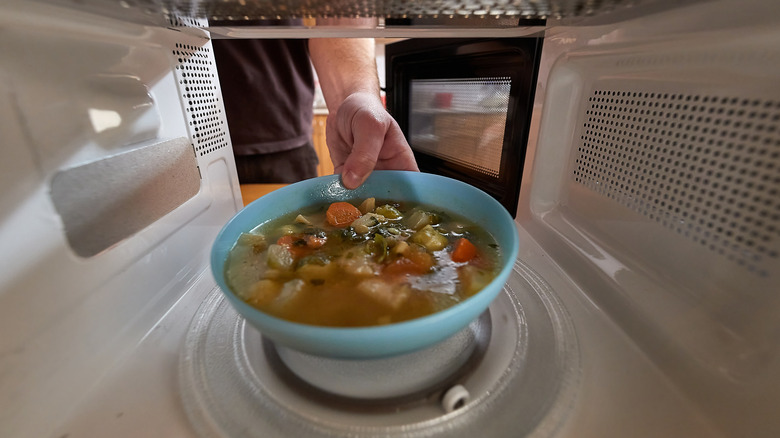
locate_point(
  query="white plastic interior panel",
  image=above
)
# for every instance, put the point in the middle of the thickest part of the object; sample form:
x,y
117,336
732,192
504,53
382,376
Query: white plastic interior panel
x,y
104,202
656,185
94,126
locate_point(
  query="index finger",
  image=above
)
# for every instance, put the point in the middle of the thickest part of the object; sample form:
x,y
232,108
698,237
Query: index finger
x,y
368,133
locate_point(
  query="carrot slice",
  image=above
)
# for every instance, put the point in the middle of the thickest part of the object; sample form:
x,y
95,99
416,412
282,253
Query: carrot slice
x,y
463,251
296,244
412,263
341,214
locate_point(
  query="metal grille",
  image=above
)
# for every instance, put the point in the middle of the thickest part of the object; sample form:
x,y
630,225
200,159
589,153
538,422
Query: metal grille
x,y
436,9
460,120
705,166
178,20
196,74
478,13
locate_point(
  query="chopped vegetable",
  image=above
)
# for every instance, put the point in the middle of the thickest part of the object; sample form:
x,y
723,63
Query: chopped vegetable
x,y
420,218
343,235
463,251
367,206
341,214
274,274
358,262
473,279
263,292
384,293
363,224
291,292
400,248
415,261
378,248
431,239
314,271
279,257
314,241
337,265
301,219
301,245
388,211
296,244
256,241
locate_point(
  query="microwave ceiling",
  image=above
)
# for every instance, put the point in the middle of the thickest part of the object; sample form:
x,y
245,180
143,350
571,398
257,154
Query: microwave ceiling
x,y
406,11
366,15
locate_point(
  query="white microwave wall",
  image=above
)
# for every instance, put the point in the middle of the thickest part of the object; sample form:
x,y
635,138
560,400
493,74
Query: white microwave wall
x,y
655,186
91,112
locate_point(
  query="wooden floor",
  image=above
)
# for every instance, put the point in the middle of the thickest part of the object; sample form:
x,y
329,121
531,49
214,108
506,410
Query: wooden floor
x,y
250,192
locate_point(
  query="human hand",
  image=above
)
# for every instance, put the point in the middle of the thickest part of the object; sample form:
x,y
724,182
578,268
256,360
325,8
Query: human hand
x,y
362,136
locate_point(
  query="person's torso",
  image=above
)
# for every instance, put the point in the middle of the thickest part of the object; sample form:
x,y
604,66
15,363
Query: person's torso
x,y
268,92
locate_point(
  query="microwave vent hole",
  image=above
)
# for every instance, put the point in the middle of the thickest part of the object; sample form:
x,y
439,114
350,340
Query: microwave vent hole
x,y
179,19
197,81
704,166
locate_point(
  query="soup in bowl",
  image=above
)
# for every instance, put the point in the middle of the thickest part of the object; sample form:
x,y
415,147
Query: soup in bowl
x,y
401,263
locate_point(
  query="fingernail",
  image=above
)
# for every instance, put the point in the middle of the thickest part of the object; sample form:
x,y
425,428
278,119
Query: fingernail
x,y
351,180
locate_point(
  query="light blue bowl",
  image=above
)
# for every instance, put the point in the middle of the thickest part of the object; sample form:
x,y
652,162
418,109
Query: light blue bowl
x,y
378,341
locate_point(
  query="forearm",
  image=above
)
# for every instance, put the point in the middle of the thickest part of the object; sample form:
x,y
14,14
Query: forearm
x,y
344,66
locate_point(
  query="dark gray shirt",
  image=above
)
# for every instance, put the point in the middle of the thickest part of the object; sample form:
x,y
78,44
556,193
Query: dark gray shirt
x,y
268,91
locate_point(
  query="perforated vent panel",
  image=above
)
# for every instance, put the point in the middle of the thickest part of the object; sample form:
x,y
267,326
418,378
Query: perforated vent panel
x,y
196,74
705,166
177,20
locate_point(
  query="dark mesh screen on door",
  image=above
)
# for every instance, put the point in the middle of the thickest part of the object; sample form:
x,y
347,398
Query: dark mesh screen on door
x,y
460,120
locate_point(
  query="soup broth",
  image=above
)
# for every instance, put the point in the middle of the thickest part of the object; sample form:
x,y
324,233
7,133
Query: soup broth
x,y
350,264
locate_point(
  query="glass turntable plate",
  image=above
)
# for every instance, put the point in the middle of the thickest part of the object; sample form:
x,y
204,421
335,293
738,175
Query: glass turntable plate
x,y
521,380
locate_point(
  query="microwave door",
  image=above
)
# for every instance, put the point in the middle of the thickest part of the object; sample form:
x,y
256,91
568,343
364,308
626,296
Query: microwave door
x,y
465,107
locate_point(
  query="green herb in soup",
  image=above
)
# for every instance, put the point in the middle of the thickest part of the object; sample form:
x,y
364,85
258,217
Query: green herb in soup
x,y
350,264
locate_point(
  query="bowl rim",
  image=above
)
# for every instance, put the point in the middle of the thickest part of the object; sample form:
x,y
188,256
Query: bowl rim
x,y
276,327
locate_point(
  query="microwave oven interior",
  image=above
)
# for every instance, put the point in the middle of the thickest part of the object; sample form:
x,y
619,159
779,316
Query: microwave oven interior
x,y
645,139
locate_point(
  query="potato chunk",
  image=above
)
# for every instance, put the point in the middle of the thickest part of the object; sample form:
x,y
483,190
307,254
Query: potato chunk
x,y
390,295
263,292
368,205
473,279
255,241
290,293
314,271
280,257
431,239
358,262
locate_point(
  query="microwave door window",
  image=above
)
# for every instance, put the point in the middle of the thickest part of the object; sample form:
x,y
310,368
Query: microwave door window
x,y
465,107
460,120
